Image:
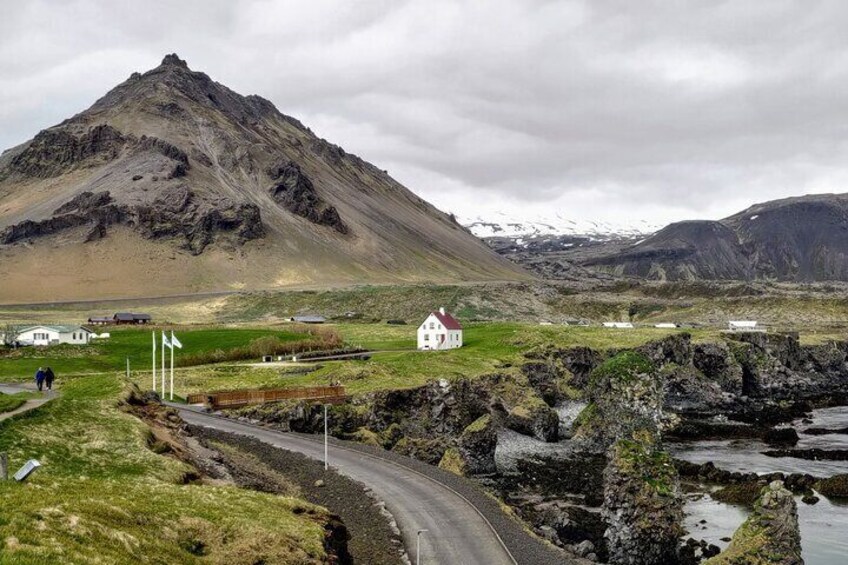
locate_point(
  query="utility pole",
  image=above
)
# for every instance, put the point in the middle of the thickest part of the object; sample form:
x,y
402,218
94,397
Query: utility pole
x,y
418,547
326,441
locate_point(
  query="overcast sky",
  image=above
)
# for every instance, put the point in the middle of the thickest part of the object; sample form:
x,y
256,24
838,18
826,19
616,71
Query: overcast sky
x,y
617,111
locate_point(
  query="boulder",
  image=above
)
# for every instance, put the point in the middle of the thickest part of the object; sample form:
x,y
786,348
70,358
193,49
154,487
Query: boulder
x,y
476,446
834,487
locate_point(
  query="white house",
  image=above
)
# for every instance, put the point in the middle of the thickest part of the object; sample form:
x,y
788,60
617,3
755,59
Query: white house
x,y
54,335
618,325
665,325
439,331
743,326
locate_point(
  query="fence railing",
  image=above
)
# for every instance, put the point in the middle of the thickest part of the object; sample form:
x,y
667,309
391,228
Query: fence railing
x,y
236,398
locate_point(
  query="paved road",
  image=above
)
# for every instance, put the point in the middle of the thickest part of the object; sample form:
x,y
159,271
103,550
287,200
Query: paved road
x,y
457,533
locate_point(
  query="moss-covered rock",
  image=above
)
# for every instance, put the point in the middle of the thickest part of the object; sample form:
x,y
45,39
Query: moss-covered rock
x,y
745,493
769,536
533,417
476,446
626,395
642,505
834,487
367,437
428,450
453,462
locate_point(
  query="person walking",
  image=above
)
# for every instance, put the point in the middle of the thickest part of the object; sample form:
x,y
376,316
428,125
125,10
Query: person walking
x,y
49,377
39,378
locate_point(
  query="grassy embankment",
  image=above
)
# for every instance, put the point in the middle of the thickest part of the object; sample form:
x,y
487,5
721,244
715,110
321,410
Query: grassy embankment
x,y
104,497
9,402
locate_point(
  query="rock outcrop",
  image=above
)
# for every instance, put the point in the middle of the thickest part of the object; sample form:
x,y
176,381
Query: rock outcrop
x,y
626,395
474,453
770,536
178,214
643,506
294,191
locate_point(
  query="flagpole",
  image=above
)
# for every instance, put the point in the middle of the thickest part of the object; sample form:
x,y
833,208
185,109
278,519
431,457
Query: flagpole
x,y
172,366
163,364
154,361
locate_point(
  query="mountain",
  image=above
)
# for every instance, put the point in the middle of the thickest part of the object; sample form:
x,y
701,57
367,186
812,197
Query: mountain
x,y
801,239
173,183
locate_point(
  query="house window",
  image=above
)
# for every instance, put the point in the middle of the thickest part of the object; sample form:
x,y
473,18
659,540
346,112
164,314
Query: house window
x,y
432,325
426,337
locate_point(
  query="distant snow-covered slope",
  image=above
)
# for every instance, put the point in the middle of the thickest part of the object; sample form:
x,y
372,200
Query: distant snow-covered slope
x,y
507,225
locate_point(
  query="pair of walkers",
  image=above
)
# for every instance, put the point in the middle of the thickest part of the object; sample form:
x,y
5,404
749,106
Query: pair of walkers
x,y
45,377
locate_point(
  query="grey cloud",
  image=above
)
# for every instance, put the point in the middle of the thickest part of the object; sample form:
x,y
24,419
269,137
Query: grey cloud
x,y
674,109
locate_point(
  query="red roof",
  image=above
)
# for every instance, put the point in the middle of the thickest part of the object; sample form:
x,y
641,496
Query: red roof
x,y
448,321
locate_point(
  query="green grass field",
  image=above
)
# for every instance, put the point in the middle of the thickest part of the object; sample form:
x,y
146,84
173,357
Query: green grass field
x,y
102,496
136,344
9,402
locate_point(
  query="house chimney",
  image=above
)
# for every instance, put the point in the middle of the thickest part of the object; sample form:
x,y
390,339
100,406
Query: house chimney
x,y
442,310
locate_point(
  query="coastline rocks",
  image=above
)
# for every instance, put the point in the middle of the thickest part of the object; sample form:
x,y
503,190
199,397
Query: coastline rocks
x,y
834,487
769,536
476,446
643,506
626,395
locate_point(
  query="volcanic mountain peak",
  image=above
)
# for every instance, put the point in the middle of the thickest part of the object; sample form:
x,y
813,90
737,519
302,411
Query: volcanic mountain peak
x,y
176,159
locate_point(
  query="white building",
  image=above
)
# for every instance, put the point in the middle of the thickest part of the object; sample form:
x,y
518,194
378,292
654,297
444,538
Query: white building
x,y
54,335
618,325
744,326
665,325
439,331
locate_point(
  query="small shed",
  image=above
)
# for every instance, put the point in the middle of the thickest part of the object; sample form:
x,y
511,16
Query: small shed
x,y
308,319
619,325
131,318
665,325
744,326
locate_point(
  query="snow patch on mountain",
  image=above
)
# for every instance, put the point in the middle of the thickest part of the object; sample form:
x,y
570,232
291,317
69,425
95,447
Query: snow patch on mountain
x,y
503,224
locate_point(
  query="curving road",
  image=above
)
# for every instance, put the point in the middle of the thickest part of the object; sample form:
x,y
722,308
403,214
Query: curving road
x,y
458,533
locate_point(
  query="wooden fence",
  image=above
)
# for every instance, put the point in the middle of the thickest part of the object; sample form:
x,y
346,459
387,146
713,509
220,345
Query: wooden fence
x,y
236,398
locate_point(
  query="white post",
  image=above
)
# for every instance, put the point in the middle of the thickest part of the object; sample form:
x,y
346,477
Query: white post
x,y
154,361
163,365
418,547
326,451
128,367
172,366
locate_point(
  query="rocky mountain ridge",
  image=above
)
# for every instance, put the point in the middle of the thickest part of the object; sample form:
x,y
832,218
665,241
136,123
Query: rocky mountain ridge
x,y
246,196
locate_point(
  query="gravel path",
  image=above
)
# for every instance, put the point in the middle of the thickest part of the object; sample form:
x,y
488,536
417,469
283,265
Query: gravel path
x,y
30,404
372,538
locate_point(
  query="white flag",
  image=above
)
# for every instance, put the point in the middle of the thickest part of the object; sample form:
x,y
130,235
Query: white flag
x,y
165,342
175,342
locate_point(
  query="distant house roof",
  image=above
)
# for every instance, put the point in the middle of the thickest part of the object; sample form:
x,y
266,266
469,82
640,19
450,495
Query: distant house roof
x,y
130,317
95,319
448,321
62,329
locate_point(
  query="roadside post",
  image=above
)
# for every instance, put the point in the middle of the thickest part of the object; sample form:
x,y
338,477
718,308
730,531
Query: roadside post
x,y
4,466
418,547
326,441
128,367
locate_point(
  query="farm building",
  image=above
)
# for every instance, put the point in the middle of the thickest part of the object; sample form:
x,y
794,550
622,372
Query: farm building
x,y
665,325
54,335
439,331
120,318
308,319
744,326
131,318
618,325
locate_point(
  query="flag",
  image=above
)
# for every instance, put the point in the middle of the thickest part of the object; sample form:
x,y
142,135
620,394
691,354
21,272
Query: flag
x,y
165,342
175,342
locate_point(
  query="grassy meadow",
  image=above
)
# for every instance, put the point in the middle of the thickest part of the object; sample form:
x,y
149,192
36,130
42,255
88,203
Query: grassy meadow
x,y
103,496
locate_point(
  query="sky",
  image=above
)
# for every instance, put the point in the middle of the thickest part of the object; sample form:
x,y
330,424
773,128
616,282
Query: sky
x,y
617,111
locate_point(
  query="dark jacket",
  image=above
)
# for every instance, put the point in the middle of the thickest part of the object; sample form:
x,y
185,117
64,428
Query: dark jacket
x,y
39,376
49,375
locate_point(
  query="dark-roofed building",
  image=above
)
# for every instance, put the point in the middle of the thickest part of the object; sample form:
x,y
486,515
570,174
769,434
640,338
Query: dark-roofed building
x,y
100,321
131,318
439,331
